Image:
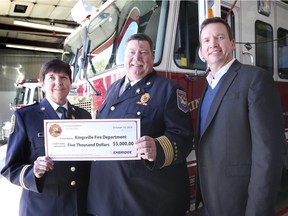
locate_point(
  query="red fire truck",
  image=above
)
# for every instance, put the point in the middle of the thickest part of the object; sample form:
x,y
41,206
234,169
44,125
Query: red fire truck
x,y
95,50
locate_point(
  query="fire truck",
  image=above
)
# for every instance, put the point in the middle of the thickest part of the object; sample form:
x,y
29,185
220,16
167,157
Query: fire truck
x,y
28,91
95,50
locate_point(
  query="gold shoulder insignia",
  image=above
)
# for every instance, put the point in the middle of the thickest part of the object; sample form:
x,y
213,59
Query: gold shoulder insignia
x,y
13,122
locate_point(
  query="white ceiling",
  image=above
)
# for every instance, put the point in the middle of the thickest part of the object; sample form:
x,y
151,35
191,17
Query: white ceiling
x,y
48,12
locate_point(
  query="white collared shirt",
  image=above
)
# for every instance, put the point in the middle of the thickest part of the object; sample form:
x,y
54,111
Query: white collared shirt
x,y
131,82
213,80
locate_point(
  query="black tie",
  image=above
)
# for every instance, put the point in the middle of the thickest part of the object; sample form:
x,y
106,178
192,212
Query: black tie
x,y
127,86
62,110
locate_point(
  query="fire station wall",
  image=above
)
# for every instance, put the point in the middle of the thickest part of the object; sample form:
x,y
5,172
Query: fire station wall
x,y
16,65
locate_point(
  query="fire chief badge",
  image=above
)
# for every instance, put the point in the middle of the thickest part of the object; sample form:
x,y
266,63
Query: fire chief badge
x,y
182,101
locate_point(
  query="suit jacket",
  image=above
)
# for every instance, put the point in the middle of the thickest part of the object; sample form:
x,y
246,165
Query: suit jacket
x,y
240,152
140,187
54,193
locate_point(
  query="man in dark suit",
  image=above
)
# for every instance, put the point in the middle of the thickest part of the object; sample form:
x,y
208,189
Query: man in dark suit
x,y
49,187
158,184
240,132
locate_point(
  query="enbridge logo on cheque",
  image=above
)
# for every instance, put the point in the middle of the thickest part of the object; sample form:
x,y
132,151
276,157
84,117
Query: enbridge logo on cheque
x,y
55,130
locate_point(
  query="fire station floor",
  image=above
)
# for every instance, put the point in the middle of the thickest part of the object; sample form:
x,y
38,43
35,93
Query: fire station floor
x,y
10,195
282,201
281,207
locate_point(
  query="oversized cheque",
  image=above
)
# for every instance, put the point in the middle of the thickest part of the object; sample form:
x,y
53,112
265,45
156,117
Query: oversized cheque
x,y
103,139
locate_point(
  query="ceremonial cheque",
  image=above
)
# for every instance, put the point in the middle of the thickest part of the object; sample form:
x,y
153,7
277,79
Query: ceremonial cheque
x,y
78,139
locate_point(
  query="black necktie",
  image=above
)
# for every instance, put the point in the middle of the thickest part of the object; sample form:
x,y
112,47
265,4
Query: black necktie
x,y
62,110
127,86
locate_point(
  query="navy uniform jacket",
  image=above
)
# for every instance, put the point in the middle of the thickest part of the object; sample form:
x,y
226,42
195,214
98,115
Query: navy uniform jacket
x,y
240,153
140,187
61,191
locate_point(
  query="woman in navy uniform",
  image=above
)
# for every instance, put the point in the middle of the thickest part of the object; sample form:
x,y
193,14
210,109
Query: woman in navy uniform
x,y
157,185
50,188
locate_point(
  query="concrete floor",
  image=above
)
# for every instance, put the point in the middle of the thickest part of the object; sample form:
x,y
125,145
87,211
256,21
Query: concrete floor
x,y
9,198
10,194
282,204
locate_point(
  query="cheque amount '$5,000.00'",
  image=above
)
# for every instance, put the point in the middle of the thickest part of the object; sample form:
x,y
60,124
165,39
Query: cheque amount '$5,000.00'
x,y
115,143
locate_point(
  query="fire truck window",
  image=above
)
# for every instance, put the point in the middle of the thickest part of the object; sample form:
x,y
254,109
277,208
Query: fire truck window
x,y
20,92
107,49
36,96
264,46
186,49
155,30
151,21
99,62
132,29
187,37
282,53
27,96
21,96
